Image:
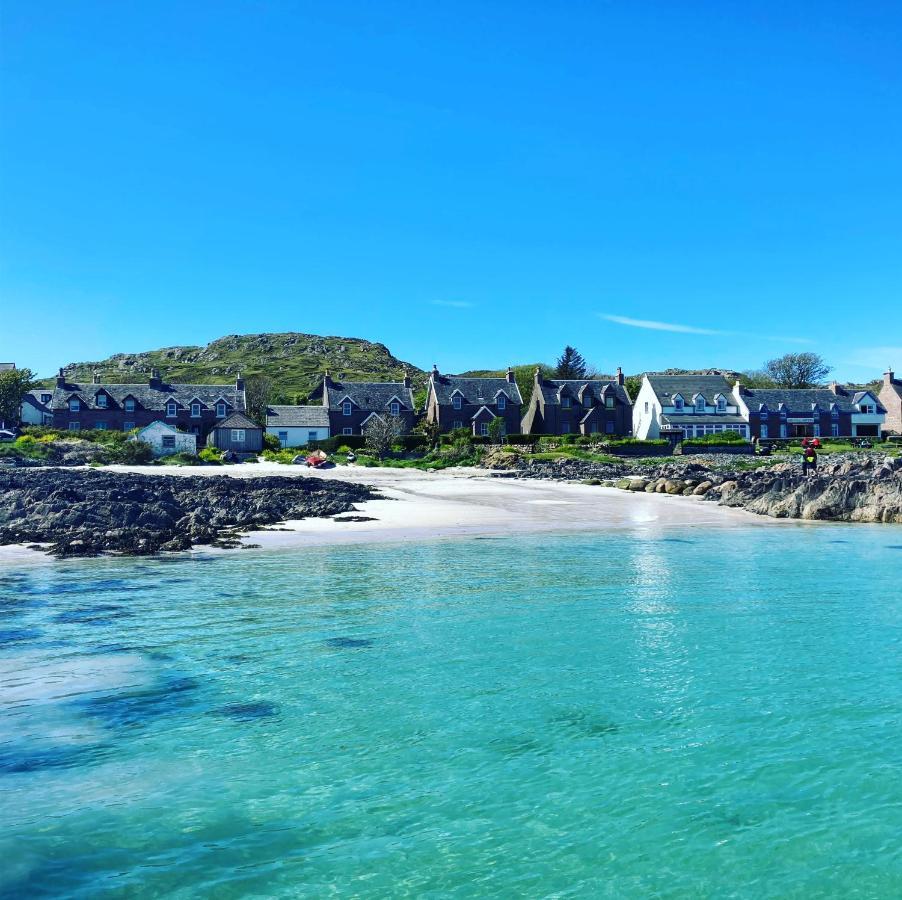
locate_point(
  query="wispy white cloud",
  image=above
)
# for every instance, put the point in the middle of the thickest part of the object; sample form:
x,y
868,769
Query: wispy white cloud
x,y
652,325
661,326
454,304
876,358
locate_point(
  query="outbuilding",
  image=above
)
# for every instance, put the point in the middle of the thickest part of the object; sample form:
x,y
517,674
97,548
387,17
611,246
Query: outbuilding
x,y
166,439
296,426
237,433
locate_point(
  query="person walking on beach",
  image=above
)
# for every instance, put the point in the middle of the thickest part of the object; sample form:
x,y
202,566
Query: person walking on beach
x,y
809,461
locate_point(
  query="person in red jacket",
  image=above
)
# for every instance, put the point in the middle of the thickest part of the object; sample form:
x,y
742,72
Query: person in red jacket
x,y
809,461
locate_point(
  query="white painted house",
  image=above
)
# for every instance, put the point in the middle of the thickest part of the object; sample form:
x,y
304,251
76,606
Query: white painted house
x,y
35,408
296,426
693,405
166,439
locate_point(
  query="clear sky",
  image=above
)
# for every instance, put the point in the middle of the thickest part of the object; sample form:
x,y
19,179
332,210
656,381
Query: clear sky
x,y
473,184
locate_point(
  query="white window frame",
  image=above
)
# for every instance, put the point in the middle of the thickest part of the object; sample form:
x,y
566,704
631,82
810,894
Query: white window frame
x,y
75,405
483,429
763,429
700,404
395,408
129,404
220,410
195,406
679,404
565,403
172,409
502,402
721,405
46,398
347,430
609,403
457,401
167,441
457,423
346,408
834,429
74,426
101,400
237,435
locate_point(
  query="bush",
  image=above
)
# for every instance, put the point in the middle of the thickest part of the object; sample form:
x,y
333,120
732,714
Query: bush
x,y
210,455
410,442
133,453
271,442
285,457
523,440
722,439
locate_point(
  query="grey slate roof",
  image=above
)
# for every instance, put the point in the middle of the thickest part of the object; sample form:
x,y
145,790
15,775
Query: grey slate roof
x,y
687,386
34,398
802,401
297,417
370,395
555,388
477,390
150,398
237,420
706,419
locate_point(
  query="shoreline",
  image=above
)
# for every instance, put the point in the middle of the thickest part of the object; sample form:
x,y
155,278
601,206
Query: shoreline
x,y
457,503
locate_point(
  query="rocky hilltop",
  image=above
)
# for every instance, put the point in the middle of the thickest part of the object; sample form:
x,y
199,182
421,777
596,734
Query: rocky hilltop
x,y
849,487
294,361
85,513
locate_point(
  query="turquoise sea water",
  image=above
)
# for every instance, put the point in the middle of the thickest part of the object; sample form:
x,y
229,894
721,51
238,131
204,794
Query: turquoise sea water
x,y
714,713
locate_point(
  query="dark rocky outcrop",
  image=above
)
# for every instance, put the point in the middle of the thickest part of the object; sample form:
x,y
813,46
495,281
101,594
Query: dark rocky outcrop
x,y
85,513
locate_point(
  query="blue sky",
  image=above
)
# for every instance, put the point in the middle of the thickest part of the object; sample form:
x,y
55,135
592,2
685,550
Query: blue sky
x,y
659,183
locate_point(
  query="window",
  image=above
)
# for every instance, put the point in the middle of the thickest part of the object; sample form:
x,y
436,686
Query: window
x,y
565,427
721,405
347,430
74,426
128,426
817,430
74,405
220,410
593,428
101,401
587,401
484,429
395,408
763,430
195,429
171,409
46,398
565,402
168,442
502,402
457,424
195,410
129,404
678,403
782,431
311,436
834,412
608,402
834,429
283,438
700,404
100,426
867,408
346,408
237,435
609,427
457,401
646,405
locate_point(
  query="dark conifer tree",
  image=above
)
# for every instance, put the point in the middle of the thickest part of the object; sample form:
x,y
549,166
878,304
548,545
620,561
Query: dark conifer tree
x,y
571,364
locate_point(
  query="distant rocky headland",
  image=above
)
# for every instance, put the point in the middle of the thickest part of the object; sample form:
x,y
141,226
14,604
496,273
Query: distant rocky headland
x,y
848,487
86,513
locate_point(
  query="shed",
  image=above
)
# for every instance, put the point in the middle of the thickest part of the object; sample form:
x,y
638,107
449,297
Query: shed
x,y
294,426
237,433
165,439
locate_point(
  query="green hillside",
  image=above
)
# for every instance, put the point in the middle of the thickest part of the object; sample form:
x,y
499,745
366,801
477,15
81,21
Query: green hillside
x,y
295,362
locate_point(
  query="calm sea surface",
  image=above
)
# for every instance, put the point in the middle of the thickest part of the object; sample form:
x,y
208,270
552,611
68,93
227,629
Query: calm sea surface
x,y
717,713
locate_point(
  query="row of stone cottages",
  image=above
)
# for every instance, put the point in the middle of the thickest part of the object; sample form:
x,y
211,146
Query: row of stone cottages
x,y
675,406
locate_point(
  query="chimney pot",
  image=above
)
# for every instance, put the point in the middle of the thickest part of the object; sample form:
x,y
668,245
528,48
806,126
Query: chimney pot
x,y
619,376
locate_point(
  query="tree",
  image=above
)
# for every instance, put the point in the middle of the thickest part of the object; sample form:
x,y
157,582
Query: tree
x,y
496,430
757,378
14,385
797,370
379,434
258,391
571,364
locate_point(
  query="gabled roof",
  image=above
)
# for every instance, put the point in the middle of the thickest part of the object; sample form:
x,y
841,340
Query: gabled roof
x,y
368,395
157,425
33,398
666,387
481,413
803,401
476,390
598,389
149,398
237,420
297,417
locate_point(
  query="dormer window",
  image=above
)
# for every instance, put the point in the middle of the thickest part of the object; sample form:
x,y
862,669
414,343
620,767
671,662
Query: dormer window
x,y
867,408
678,403
101,401
609,402
171,409
457,401
565,403
74,405
395,408
45,398
129,404
346,408
587,401
700,404
834,411
502,402
220,410
721,405
195,410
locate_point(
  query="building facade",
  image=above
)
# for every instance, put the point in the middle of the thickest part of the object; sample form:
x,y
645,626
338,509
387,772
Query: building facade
x,y
193,408
890,398
237,433
36,409
165,439
296,426
351,404
473,403
579,406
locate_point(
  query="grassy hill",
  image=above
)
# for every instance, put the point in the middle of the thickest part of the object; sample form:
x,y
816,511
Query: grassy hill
x,y
295,362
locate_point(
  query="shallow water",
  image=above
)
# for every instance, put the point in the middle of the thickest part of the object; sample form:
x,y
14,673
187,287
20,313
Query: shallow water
x,y
708,713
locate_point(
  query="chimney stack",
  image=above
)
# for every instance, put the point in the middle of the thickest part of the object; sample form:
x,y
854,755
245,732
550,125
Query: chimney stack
x,y
510,375
889,376
834,387
155,381
406,379
61,379
239,382
619,376
95,378
435,373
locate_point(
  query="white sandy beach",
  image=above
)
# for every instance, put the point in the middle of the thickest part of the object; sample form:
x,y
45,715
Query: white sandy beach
x,y
459,502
